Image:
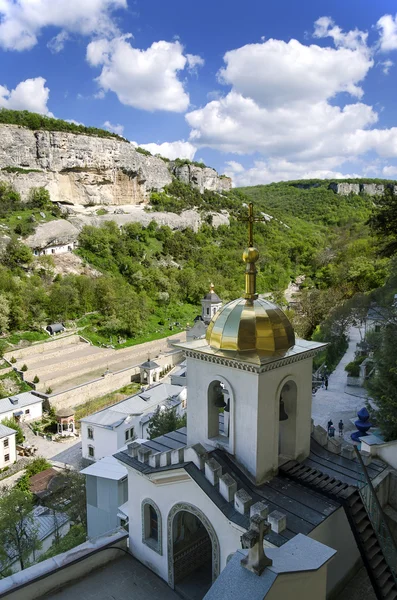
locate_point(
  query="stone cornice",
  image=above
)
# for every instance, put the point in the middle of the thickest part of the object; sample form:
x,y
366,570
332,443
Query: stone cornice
x,y
251,367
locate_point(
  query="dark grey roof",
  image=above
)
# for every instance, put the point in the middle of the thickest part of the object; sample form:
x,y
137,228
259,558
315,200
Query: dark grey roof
x,y
213,297
198,318
55,327
305,509
150,364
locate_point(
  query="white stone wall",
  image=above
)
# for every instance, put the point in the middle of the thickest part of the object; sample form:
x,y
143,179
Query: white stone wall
x,y
166,496
10,450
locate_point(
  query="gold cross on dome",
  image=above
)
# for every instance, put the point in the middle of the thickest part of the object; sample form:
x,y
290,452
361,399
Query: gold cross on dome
x,y
251,219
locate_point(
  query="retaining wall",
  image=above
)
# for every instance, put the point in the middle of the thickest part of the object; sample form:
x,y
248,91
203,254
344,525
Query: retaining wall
x,y
40,347
107,383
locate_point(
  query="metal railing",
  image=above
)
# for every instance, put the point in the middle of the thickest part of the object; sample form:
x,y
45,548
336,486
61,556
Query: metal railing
x,y
376,516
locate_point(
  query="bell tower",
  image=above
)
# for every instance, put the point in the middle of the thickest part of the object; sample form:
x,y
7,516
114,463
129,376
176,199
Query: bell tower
x,y
249,382
210,305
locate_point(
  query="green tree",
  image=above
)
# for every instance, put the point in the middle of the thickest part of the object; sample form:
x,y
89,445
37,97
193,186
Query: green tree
x,y
13,424
17,254
18,533
4,313
163,421
69,496
383,386
39,198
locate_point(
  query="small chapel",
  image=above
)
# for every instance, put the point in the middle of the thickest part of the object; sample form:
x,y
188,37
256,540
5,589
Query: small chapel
x,y
245,486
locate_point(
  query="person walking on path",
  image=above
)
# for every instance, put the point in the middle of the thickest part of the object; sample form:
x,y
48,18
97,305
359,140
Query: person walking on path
x,y
331,431
329,425
341,427
326,382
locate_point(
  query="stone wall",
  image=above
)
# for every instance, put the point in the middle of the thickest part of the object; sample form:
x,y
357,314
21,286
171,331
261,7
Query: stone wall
x,y
108,383
40,347
88,170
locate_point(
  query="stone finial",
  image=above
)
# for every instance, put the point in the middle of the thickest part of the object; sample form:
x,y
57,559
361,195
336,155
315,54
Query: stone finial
x,y
143,454
196,454
334,445
256,560
177,456
165,458
132,449
320,435
278,521
242,501
227,487
213,470
348,452
259,508
154,460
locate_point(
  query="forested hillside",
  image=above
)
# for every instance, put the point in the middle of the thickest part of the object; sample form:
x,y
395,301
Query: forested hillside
x,y
154,276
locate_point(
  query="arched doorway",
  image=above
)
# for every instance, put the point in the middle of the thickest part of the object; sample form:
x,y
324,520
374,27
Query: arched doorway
x,y
193,551
220,426
287,423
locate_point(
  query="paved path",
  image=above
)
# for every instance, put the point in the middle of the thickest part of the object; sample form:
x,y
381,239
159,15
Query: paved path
x,y
339,401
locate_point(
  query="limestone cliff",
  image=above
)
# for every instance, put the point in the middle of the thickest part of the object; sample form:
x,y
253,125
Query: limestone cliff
x,y
86,170
371,189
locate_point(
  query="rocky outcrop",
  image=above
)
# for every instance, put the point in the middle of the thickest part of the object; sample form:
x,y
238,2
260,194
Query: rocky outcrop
x,y
53,233
203,178
370,189
87,170
188,218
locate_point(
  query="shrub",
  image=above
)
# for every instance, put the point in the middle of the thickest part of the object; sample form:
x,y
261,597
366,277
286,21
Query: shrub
x,y
48,390
13,424
13,360
36,379
37,465
24,368
353,369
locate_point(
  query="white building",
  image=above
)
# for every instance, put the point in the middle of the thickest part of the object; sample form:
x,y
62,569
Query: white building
x,y
210,305
55,249
27,406
53,237
195,492
104,432
8,450
107,496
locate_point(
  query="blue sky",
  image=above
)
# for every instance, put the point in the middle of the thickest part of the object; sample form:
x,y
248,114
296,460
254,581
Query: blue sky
x,y
261,90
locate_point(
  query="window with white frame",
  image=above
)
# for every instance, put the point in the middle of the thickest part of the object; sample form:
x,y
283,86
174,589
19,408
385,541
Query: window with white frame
x,y
129,434
91,451
6,443
90,433
6,458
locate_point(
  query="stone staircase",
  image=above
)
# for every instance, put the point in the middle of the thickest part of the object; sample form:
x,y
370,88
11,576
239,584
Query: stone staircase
x,y
370,544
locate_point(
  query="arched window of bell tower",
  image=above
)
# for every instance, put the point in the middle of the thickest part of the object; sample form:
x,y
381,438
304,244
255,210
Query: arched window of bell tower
x,y
220,412
287,402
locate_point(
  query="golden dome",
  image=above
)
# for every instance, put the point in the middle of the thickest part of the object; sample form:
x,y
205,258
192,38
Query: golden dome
x,y
251,325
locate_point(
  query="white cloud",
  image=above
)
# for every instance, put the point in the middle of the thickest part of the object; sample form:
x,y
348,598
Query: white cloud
x,y
281,106
194,62
172,150
57,43
277,73
355,39
119,129
387,26
279,170
386,66
21,21
389,171
74,122
146,79
31,94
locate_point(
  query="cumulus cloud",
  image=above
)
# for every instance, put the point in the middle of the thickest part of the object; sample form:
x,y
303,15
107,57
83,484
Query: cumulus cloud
x,y
119,129
281,105
145,79
387,26
280,170
31,94
57,43
194,62
172,150
21,21
389,171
